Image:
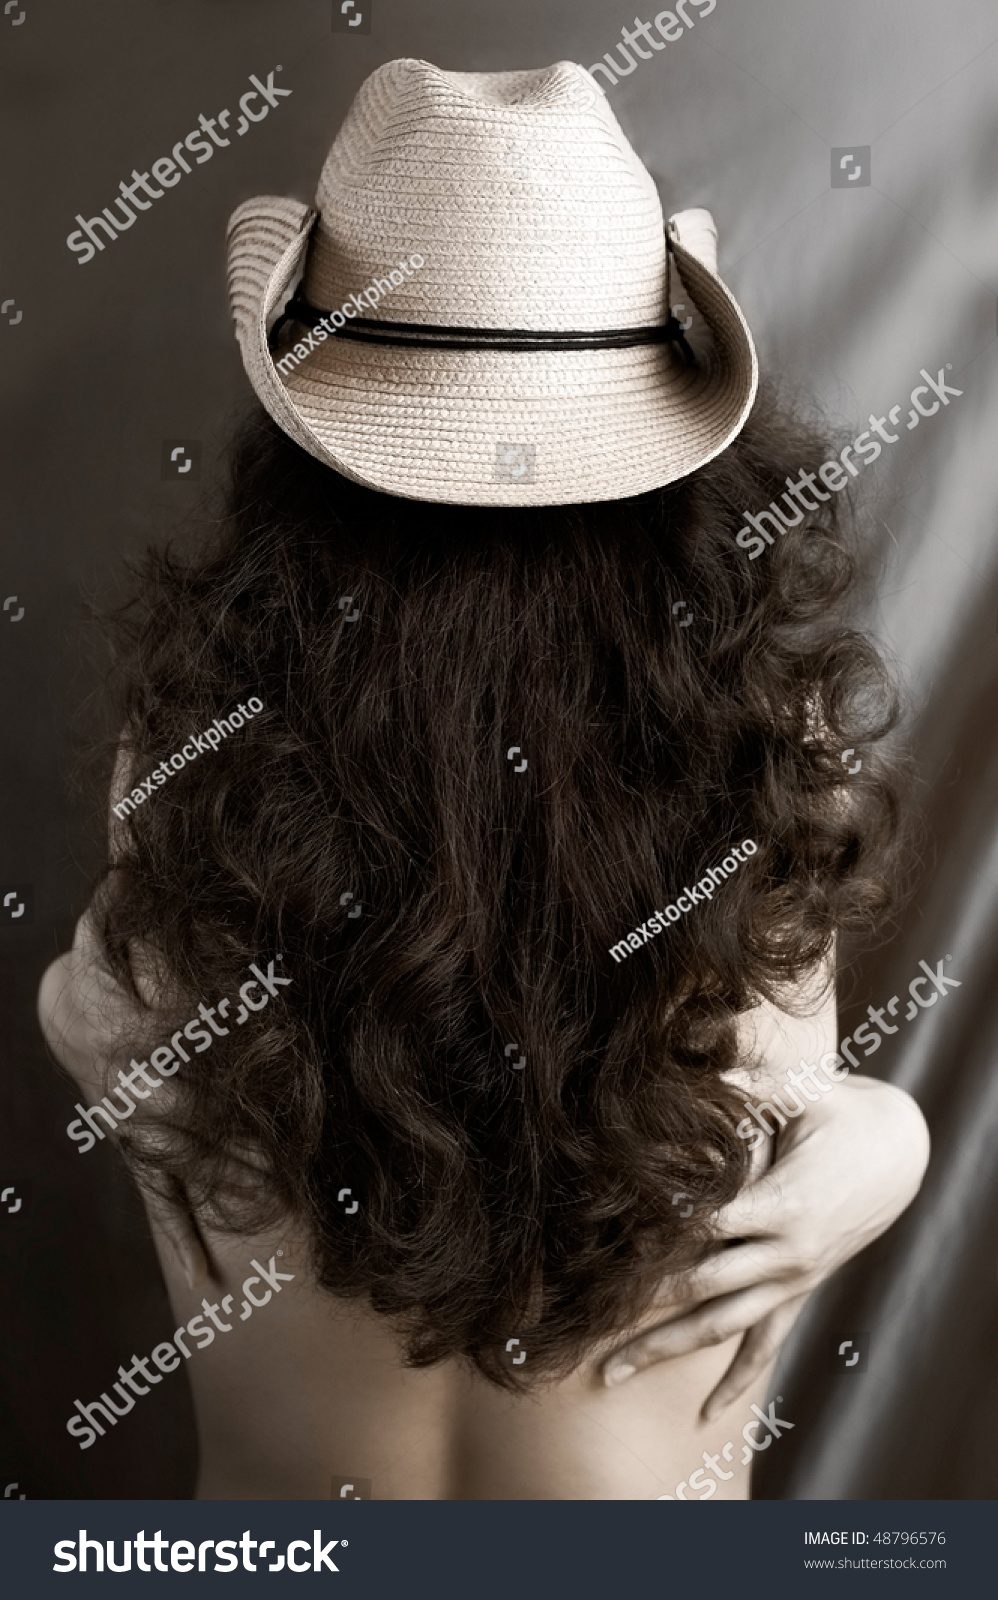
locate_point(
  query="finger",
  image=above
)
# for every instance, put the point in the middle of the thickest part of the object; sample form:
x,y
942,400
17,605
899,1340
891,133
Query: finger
x,y
178,1227
712,1324
735,1265
759,1347
73,1006
154,983
755,1211
742,1266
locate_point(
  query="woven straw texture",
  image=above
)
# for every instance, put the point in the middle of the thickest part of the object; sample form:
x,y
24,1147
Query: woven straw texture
x,y
529,209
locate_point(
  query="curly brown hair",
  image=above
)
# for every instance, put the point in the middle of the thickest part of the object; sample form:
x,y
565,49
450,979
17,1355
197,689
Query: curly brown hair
x,y
493,1200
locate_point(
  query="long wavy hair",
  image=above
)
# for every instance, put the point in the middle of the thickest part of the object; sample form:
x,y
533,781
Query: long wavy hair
x,y
670,698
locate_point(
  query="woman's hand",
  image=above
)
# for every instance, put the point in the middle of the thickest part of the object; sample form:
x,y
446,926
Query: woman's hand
x,y
79,1004
844,1171
84,1013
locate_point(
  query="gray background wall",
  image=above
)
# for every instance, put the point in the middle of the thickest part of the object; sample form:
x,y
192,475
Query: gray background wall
x,y
849,292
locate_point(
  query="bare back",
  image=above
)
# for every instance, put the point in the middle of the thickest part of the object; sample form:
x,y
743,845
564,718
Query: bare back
x,y
300,1395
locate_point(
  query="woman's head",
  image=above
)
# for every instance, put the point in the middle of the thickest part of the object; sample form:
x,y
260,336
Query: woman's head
x,y
670,699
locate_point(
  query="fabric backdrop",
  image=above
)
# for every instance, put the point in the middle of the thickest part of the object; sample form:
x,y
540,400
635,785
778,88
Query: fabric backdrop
x,y
851,289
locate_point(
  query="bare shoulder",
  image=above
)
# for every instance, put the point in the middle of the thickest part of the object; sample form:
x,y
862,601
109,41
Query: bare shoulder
x,y
773,1037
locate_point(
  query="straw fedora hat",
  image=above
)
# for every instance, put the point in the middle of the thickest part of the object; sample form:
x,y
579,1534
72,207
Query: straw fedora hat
x,y
497,257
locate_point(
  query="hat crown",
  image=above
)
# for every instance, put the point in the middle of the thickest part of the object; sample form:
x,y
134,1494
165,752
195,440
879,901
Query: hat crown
x,y
519,190
494,200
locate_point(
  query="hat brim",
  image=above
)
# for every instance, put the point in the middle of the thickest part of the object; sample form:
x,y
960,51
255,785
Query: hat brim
x,y
490,427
